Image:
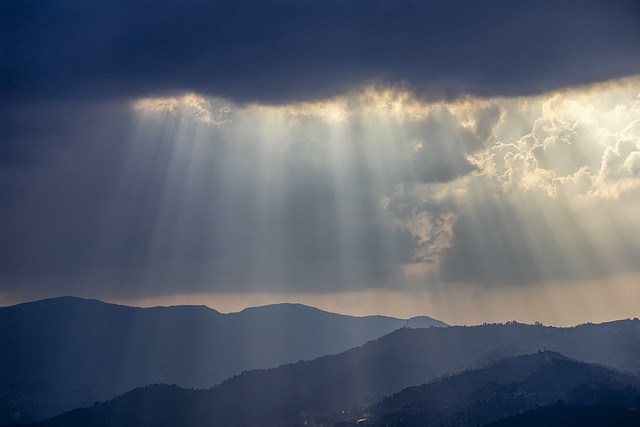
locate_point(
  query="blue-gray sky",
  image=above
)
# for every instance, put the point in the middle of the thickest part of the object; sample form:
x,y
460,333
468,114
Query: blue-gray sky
x,y
448,154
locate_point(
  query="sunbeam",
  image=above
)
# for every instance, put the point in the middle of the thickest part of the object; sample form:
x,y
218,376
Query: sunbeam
x,y
380,191
270,199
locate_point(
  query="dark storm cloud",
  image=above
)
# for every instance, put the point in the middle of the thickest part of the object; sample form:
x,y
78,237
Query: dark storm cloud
x,y
283,50
442,150
59,165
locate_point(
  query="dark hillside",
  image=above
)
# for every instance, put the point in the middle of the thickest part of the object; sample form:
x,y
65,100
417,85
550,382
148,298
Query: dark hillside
x,y
68,352
333,388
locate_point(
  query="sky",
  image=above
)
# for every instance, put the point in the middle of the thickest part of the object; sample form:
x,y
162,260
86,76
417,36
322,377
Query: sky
x,y
473,161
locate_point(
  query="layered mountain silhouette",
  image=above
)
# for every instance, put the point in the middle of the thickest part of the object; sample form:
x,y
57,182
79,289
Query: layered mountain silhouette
x,y
506,388
63,353
70,345
474,397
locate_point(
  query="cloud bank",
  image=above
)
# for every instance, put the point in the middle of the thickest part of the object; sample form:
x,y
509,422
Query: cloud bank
x,y
286,50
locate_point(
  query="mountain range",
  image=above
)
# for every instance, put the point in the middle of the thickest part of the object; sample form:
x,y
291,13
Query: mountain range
x,y
63,353
469,375
508,387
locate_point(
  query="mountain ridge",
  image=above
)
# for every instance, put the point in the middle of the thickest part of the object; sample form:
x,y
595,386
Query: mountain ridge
x,y
66,352
505,388
136,347
74,299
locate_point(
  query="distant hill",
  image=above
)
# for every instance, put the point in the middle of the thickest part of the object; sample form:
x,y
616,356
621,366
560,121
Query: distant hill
x,y
506,388
62,353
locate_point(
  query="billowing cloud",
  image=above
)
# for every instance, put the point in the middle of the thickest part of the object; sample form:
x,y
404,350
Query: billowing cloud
x,y
555,204
620,171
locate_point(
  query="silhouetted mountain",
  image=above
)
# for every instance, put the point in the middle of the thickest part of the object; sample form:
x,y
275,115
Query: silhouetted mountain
x,y
67,352
291,395
403,358
561,415
505,388
114,347
316,391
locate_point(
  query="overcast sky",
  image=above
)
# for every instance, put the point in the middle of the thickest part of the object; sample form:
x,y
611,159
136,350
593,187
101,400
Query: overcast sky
x,y
468,160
